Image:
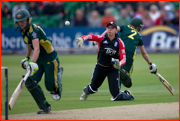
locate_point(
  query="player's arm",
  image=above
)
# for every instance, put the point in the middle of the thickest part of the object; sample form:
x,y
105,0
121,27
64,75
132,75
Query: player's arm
x,y
152,66
34,67
104,33
29,50
144,54
36,52
122,53
25,62
90,37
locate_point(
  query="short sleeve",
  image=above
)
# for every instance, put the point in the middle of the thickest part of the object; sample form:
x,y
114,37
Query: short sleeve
x,y
34,35
121,28
140,42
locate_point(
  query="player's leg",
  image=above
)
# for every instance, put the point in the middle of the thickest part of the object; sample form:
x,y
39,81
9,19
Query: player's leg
x,y
125,79
36,91
114,86
53,76
99,74
125,73
113,81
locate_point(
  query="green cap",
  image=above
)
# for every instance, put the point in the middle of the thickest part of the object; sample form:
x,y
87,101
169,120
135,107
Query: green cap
x,y
136,22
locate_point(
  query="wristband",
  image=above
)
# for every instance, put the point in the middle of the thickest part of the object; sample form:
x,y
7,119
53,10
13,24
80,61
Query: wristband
x,y
31,62
27,58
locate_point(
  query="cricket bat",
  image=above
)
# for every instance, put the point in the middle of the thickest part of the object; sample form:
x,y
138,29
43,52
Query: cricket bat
x,y
165,83
18,90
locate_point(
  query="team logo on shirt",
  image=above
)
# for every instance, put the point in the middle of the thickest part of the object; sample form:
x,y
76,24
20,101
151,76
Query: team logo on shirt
x,y
110,51
105,42
115,44
34,34
123,51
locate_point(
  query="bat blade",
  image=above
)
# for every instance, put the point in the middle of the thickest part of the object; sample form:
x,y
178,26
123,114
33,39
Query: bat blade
x,y
18,90
165,83
16,94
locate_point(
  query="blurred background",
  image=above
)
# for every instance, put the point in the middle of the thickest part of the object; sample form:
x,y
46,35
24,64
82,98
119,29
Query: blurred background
x,y
91,17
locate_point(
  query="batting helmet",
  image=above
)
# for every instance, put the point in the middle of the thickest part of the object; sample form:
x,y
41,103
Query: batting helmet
x,y
21,15
137,22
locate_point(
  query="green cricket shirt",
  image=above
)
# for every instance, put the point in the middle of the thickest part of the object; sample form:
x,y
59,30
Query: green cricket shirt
x,y
131,38
36,32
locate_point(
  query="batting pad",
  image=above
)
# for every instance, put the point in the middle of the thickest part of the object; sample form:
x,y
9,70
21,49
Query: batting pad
x,y
37,94
125,79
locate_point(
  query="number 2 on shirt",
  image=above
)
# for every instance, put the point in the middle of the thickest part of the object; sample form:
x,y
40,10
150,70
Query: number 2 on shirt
x,y
131,36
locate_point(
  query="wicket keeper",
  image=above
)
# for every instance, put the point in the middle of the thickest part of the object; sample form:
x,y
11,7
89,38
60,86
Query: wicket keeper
x,y
111,50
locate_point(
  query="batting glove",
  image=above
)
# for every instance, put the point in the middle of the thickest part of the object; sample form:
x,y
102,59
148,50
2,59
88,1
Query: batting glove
x,y
115,62
80,42
25,63
152,68
33,67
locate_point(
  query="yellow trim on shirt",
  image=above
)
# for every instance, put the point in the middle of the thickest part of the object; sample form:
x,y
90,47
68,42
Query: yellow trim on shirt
x,y
30,29
133,62
26,39
46,44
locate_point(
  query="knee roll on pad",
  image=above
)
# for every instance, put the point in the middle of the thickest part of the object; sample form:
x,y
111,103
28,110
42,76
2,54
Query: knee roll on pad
x,y
125,78
89,90
37,94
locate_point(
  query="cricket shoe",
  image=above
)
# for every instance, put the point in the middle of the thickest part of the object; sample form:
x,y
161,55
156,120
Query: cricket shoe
x,y
129,93
43,112
55,96
84,96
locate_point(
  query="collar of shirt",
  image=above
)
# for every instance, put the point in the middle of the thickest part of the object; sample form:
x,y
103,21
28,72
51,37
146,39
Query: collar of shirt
x,y
116,36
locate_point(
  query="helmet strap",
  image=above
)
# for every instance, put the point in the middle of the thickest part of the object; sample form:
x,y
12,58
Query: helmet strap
x,y
18,28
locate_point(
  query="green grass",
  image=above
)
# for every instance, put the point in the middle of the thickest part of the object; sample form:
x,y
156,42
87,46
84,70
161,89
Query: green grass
x,y
77,74
170,119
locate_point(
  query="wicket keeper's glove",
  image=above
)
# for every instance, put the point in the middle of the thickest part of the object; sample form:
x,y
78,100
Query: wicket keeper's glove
x,y
115,62
152,68
33,67
25,63
95,43
80,42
